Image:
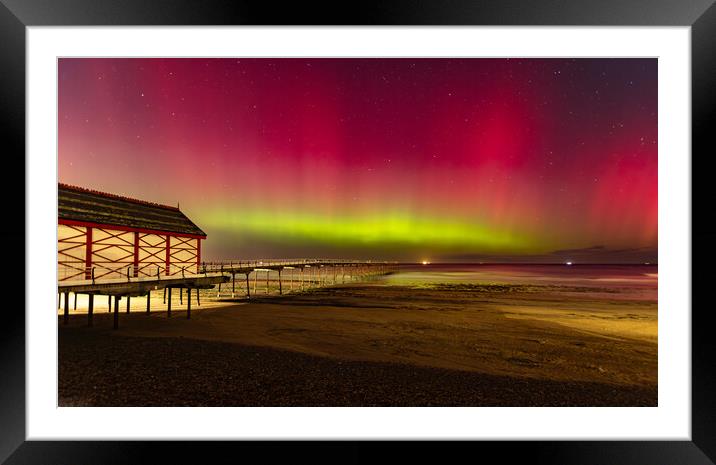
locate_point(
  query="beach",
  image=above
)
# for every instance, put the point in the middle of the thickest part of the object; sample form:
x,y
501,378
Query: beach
x,y
450,336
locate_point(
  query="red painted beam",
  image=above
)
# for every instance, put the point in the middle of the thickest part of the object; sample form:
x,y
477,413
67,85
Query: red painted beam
x,y
198,255
88,224
167,258
136,254
88,253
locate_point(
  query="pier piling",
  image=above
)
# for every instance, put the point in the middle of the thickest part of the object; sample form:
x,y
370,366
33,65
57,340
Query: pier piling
x,y
169,302
90,309
116,312
66,318
188,303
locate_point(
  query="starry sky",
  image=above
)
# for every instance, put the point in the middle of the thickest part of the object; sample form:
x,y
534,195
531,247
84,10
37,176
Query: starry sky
x,y
527,160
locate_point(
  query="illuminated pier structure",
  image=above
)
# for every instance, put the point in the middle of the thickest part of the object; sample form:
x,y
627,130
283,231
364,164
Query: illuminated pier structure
x,y
118,247
287,276
294,275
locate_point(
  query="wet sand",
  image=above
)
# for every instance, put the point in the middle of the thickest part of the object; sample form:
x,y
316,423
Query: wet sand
x,y
381,343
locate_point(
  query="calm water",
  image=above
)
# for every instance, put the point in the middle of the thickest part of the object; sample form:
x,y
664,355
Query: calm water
x,y
641,277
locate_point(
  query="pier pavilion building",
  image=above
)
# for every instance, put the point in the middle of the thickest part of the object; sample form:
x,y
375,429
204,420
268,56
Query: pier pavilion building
x,y
105,236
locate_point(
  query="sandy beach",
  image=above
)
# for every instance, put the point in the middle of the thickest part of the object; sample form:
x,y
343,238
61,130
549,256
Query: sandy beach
x,y
389,342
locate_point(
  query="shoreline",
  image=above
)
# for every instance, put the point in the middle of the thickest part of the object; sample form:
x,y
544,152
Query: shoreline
x,y
525,339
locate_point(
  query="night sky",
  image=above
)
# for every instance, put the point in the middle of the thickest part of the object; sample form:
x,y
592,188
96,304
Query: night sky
x,y
407,159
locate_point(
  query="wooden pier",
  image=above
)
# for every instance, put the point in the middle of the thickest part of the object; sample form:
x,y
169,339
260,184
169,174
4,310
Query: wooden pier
x,y
289,275
121,247
311,272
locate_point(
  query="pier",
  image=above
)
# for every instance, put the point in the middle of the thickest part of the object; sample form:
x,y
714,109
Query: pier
x,y
297,275
255,277
123,248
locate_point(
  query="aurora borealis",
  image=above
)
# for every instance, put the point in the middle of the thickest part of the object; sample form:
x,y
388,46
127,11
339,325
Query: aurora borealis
x,y
445,159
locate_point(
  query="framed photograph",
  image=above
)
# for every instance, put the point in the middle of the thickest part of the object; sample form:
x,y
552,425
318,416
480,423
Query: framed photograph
x,y
464,222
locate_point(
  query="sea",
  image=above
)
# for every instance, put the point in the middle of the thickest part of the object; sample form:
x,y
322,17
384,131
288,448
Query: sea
x,y
615,277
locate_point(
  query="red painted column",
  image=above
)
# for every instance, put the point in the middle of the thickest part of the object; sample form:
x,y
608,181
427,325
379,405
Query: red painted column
x,y
88,253
136,254
198,255
167,261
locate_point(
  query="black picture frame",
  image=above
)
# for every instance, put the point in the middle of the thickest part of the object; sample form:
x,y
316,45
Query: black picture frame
x,y
700,15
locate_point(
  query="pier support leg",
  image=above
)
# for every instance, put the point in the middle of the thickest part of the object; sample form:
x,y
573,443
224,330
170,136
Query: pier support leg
x,y
116,312
66,318
233,285
188,303
198,302
169,302
165,296
248,292
128,300
181,294
90,309
149,296
267,281
256,277
280,290
75,305
109,304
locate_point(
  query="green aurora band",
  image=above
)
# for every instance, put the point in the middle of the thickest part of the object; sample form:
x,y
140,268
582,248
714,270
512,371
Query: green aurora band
x,y
367,231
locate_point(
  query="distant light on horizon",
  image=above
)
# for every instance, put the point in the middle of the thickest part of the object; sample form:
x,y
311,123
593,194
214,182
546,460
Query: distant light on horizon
x,y
425,262
569,263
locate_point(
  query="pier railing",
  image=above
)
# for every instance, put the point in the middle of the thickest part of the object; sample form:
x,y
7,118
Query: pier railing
x,y
238,264
151,272
129,273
